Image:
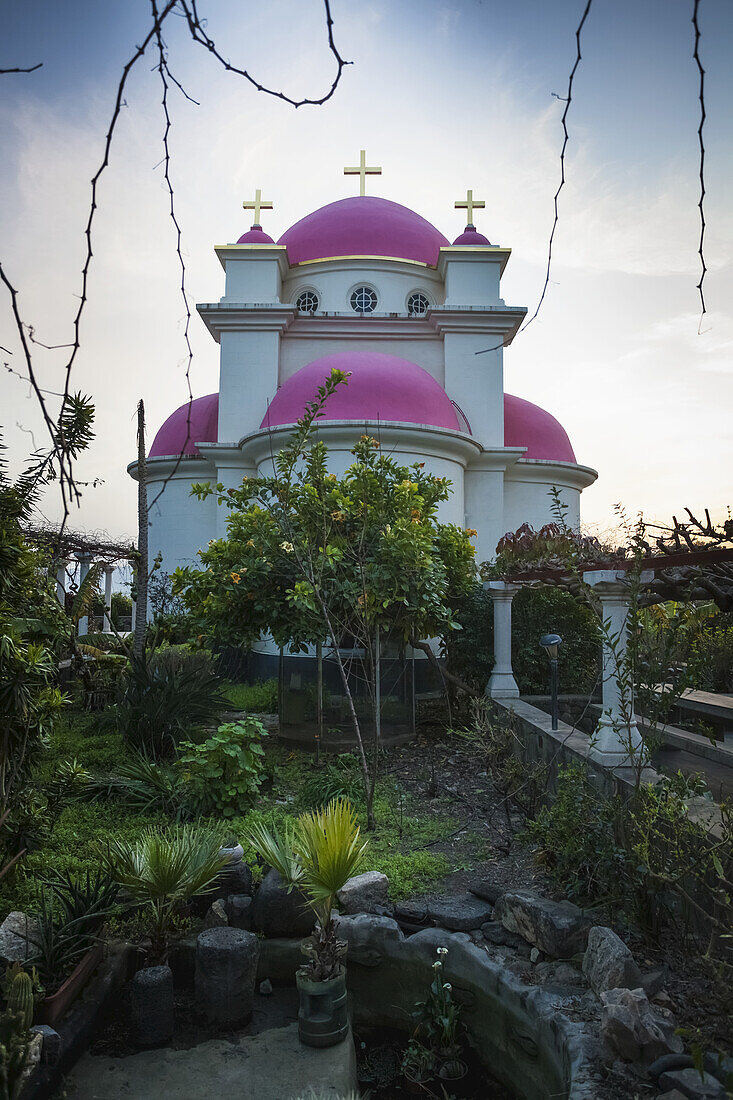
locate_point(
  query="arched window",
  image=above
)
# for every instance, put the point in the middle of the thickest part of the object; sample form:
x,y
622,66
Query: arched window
x,y
418,303
307,302
363,300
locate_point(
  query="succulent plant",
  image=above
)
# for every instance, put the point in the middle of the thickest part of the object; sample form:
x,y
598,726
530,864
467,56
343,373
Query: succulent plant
x,y
20,989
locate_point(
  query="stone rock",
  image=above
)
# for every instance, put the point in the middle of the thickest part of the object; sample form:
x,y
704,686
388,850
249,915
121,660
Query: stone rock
x,y
51,1040
236,878
487,891
663,999
239,910
692,1085
534,955
226,969
565,974
19,937
675,1094
608,963
151,1006
638,1032
280,959
459,914
364,893
217,915
668,1062
495,932
275,912
558,928
265,988
653,982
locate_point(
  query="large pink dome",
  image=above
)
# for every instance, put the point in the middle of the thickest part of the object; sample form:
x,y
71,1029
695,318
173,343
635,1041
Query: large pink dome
x,y
527,425
363,226
381,387
183,429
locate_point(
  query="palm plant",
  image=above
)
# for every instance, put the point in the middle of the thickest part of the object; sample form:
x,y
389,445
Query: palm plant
x,y
319,853
164,868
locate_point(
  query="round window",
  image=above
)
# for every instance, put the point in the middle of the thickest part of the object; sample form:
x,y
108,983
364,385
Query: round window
x,y
363,300
418,303
307,302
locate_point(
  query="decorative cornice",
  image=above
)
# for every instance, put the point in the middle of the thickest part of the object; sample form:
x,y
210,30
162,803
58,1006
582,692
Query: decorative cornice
x,y
496,458
543,470
276,252
174,467
238,316
388,260
369,325
500,320
473,254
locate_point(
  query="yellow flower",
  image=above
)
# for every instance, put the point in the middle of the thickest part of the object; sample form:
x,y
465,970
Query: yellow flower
x,y
471,533
235,577
250,543
287,547
339,517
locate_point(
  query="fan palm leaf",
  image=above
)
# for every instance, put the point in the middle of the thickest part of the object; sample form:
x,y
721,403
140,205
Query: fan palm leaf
x,y
328,844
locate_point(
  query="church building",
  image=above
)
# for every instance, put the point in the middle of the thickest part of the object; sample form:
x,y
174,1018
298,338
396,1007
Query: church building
x,y
369,286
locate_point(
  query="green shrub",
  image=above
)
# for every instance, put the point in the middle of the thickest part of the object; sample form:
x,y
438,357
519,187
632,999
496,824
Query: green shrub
x,y
223,774
575,836
339,778
535,611
710,663
162,700
258,698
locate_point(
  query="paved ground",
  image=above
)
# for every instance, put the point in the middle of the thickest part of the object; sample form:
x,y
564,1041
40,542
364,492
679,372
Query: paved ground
x,y
273,1065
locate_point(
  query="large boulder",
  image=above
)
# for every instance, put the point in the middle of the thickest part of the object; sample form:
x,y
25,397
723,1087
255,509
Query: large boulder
x,y
278,912
460,914
367,893
19,938
636,1030
692,1085
558,928
608,963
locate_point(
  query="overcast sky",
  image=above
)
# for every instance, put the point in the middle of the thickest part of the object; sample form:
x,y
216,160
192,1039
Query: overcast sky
x,y
444,96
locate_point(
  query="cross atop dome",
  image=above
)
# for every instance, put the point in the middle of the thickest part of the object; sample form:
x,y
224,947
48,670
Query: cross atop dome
x,y
469,206
257,204
362,172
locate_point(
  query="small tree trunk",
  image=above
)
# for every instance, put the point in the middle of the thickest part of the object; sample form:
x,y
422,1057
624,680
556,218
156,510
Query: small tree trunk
x,y
141,614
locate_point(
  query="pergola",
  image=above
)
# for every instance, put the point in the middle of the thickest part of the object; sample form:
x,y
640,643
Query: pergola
x,y
678,566
82,550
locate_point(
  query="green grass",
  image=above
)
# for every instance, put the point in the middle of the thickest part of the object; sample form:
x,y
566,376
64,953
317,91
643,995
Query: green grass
x,y
400,846
259,698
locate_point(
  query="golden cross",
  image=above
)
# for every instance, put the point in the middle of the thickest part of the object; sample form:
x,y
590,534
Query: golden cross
x,y
362,172
470,205
258,204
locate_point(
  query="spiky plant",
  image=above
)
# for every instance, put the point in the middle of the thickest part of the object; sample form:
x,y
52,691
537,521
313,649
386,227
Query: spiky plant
x,y
319,854
20,987
163,868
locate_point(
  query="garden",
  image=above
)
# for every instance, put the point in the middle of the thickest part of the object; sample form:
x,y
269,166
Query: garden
x,y
442,915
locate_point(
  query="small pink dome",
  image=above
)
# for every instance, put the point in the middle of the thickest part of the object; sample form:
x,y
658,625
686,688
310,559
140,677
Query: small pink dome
x,y
381,387
363,226
255,235
527,425
183,429
471,236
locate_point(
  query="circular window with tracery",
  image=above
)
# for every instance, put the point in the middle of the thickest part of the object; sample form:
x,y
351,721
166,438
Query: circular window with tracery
x,y
418,303
363,300
307,302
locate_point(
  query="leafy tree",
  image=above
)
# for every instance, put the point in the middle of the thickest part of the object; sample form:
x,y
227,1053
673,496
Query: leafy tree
x,y
311,557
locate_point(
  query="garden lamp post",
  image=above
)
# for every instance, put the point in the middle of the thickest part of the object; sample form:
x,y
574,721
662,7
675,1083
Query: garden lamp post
x,y
551,644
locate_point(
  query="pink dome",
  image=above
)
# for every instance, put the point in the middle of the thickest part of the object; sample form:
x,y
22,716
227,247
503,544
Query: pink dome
x,y
471,236
527,425
255,235
363,226
179,434
381,387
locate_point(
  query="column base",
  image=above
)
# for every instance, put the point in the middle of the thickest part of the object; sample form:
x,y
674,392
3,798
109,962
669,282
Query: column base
x,y
502,685
617,746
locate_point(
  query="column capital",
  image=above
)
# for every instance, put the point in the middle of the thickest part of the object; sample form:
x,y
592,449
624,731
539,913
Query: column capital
x,y
610,583
502,590
108,568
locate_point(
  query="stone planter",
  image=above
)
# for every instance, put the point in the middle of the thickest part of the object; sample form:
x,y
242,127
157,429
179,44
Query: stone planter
x,y
52,1008
232,855
151,1006
323,1019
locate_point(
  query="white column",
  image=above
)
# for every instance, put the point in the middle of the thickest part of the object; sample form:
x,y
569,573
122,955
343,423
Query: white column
x,y
85,561
108,572
616,740
502,684
61,581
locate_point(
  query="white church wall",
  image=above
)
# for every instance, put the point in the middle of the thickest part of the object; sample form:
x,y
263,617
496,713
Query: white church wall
x,y
392,282
297,350
527,497
472,283
251,279
484,507
476,384
247,381
180,525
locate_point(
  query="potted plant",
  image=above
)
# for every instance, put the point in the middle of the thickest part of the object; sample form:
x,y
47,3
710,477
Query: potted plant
x,y
318,854
161,871
231,850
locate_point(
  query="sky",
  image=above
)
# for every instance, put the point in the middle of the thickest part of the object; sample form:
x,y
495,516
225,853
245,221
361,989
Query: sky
x,y
445,97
